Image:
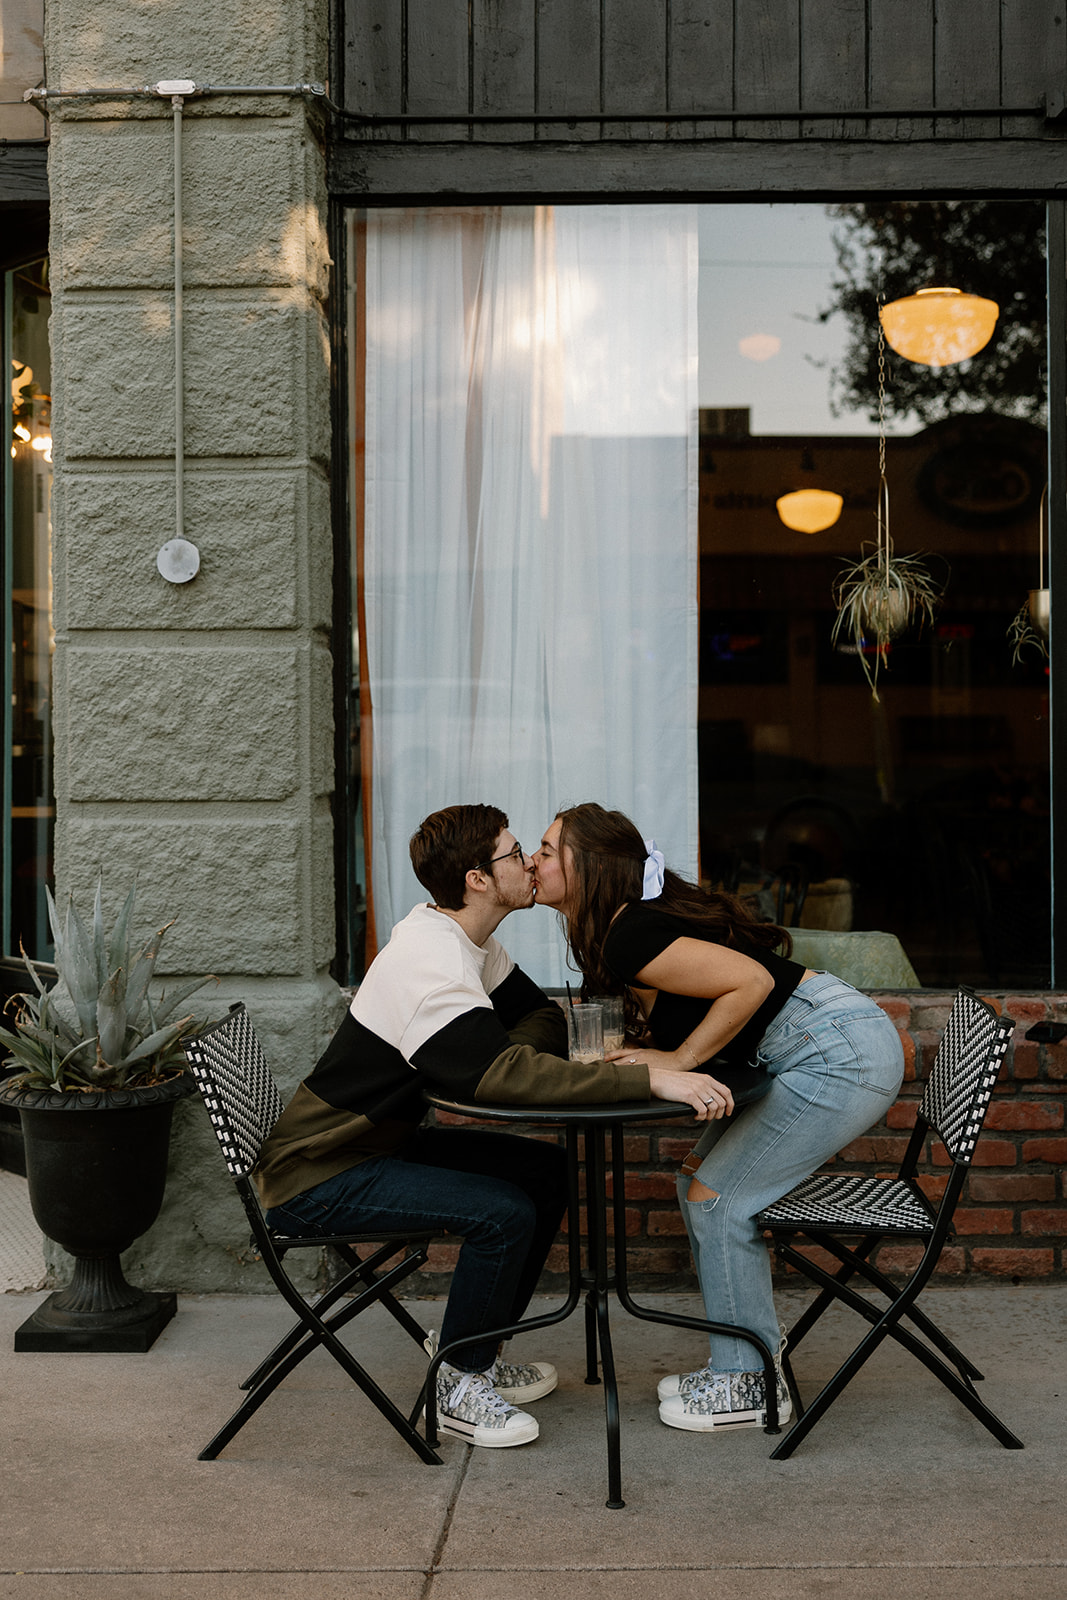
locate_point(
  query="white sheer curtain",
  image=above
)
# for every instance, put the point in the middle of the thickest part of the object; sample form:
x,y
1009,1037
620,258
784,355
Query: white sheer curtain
x,y
530,548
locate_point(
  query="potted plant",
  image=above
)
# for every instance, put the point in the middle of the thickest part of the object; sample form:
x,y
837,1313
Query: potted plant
x,y
877,597
1030,624
99,1066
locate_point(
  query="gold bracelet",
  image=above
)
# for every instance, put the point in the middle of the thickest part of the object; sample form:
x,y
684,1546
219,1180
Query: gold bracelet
x,y
685,1045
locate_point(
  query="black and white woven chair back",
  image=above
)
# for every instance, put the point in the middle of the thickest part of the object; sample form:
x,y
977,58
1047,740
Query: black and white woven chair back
x,y
238,1090
965,1072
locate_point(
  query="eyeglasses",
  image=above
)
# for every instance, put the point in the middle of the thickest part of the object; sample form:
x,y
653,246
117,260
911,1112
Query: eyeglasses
x,y
517,851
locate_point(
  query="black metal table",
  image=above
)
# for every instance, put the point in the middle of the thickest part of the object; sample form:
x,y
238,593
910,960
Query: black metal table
x,y
587,1128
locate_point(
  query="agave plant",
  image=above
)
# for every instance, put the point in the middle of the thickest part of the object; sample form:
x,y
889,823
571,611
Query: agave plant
x,y
98,1026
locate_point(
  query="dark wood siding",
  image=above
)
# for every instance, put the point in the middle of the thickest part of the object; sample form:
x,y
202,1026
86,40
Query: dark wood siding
x,y
659,98
766,61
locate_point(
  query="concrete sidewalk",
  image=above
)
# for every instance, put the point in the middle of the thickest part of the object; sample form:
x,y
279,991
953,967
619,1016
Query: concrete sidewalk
x,y
899,1494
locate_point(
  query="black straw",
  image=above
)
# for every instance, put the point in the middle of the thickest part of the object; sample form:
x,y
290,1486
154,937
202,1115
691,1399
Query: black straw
x,y
570,997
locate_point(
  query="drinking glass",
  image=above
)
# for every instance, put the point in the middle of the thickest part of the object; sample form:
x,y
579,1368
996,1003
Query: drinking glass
x,y
611,1006
585,1032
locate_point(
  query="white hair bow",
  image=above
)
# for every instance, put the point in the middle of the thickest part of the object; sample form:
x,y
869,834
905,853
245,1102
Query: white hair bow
x,y
652,887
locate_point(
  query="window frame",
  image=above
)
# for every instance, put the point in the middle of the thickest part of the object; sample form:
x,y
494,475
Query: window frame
x,y
347,963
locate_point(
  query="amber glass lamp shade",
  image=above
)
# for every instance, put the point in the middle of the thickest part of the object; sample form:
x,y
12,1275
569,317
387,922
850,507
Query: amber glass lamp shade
x,y
809,510
938,327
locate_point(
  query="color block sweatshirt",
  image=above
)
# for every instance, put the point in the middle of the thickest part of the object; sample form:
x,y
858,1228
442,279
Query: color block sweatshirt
x,y
436,1013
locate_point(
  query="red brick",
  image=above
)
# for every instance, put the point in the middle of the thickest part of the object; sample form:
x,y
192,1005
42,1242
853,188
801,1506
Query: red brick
x,y
977,1219
1025,1114
1053,1150
902,1115
1035,1186
910,1058
930,1013
1013,1263
1025,1062
895,1008
661,1222
899,1257
678,1262
821,1258
875,1149
927,1041
1044,1221
452,1119
671,1149
441,1258
933,1187
1025,1009
636,1147
1056,1061
904,1258
648,1186
988,1153
633,1222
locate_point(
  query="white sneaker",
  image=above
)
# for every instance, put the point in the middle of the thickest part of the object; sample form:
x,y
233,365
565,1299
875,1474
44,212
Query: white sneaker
x,y
720,1400
516,1381
678,1383
469,1408
520,1383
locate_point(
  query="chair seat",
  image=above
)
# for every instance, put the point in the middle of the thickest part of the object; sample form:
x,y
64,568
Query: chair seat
x,y
846,1203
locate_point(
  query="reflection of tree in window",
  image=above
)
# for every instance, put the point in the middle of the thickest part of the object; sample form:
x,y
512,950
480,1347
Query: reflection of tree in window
x,y
992,248
926,817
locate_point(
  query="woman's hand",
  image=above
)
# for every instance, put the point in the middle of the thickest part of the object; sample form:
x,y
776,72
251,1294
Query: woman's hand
x,y
708,1098
667,1062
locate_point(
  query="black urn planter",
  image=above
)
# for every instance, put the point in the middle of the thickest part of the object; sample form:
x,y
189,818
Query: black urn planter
x,y
96,1165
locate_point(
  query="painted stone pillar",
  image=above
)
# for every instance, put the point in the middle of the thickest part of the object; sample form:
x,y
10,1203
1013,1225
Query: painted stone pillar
x,y
194,743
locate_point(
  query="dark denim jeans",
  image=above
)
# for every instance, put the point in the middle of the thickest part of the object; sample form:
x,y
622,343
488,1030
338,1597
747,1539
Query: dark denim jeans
x,y
502,1194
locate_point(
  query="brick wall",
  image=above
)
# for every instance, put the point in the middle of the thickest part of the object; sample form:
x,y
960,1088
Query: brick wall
x,y
1010,1223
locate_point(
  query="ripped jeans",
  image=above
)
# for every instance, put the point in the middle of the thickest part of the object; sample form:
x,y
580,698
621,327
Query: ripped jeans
x,y
837,1063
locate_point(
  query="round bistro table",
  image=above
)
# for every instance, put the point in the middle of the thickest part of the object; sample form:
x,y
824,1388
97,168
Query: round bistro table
x,y
590,1131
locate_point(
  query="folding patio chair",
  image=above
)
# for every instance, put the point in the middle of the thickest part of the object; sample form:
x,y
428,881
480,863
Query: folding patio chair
x,y
243,1103
826,1207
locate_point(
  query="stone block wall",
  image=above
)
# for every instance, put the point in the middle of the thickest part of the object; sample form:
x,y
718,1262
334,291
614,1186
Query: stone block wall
x,y
193,723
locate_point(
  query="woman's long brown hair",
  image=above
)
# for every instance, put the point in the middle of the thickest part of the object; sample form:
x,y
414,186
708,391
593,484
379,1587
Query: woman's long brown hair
x,y
606,871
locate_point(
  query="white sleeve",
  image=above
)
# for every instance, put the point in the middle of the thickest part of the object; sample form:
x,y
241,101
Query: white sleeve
x,y
498,964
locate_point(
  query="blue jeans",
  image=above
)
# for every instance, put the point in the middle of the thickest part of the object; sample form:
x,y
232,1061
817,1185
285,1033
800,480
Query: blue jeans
x,y
836,1062
502,1194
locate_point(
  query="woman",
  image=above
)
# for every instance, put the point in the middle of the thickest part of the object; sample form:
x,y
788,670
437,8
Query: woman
x,y
804,1063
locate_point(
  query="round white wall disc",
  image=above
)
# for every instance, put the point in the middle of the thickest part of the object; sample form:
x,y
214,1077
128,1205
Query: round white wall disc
x,y
178,561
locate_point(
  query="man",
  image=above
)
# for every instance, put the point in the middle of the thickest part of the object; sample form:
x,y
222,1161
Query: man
x,y
444,1008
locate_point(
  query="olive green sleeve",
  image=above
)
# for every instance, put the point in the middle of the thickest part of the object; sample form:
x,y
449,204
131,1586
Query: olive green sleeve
x,y
521,1075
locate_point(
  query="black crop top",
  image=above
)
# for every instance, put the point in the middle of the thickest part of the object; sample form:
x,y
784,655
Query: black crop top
x,y
641,933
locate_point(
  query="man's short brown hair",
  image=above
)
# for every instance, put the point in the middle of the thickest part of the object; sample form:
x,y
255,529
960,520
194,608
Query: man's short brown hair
x,y
448,844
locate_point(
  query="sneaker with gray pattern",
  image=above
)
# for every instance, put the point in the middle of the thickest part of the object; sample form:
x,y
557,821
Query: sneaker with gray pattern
x,y
703,1400
471,1409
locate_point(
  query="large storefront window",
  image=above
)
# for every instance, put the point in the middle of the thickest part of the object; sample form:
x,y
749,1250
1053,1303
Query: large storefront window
x,y
572,428
29,801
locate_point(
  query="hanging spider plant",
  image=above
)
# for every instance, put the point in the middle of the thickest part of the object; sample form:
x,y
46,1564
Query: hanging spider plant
x,y
1029,626
881,594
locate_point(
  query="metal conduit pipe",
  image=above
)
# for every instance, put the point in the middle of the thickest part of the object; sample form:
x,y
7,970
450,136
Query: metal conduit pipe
x,y
178,560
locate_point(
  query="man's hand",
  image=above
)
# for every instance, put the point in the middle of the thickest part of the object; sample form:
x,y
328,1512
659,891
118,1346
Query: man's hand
x,y
708,1098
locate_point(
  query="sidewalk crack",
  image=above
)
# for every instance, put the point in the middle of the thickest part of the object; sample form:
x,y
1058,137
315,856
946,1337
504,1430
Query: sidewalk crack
x,y
446,1527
